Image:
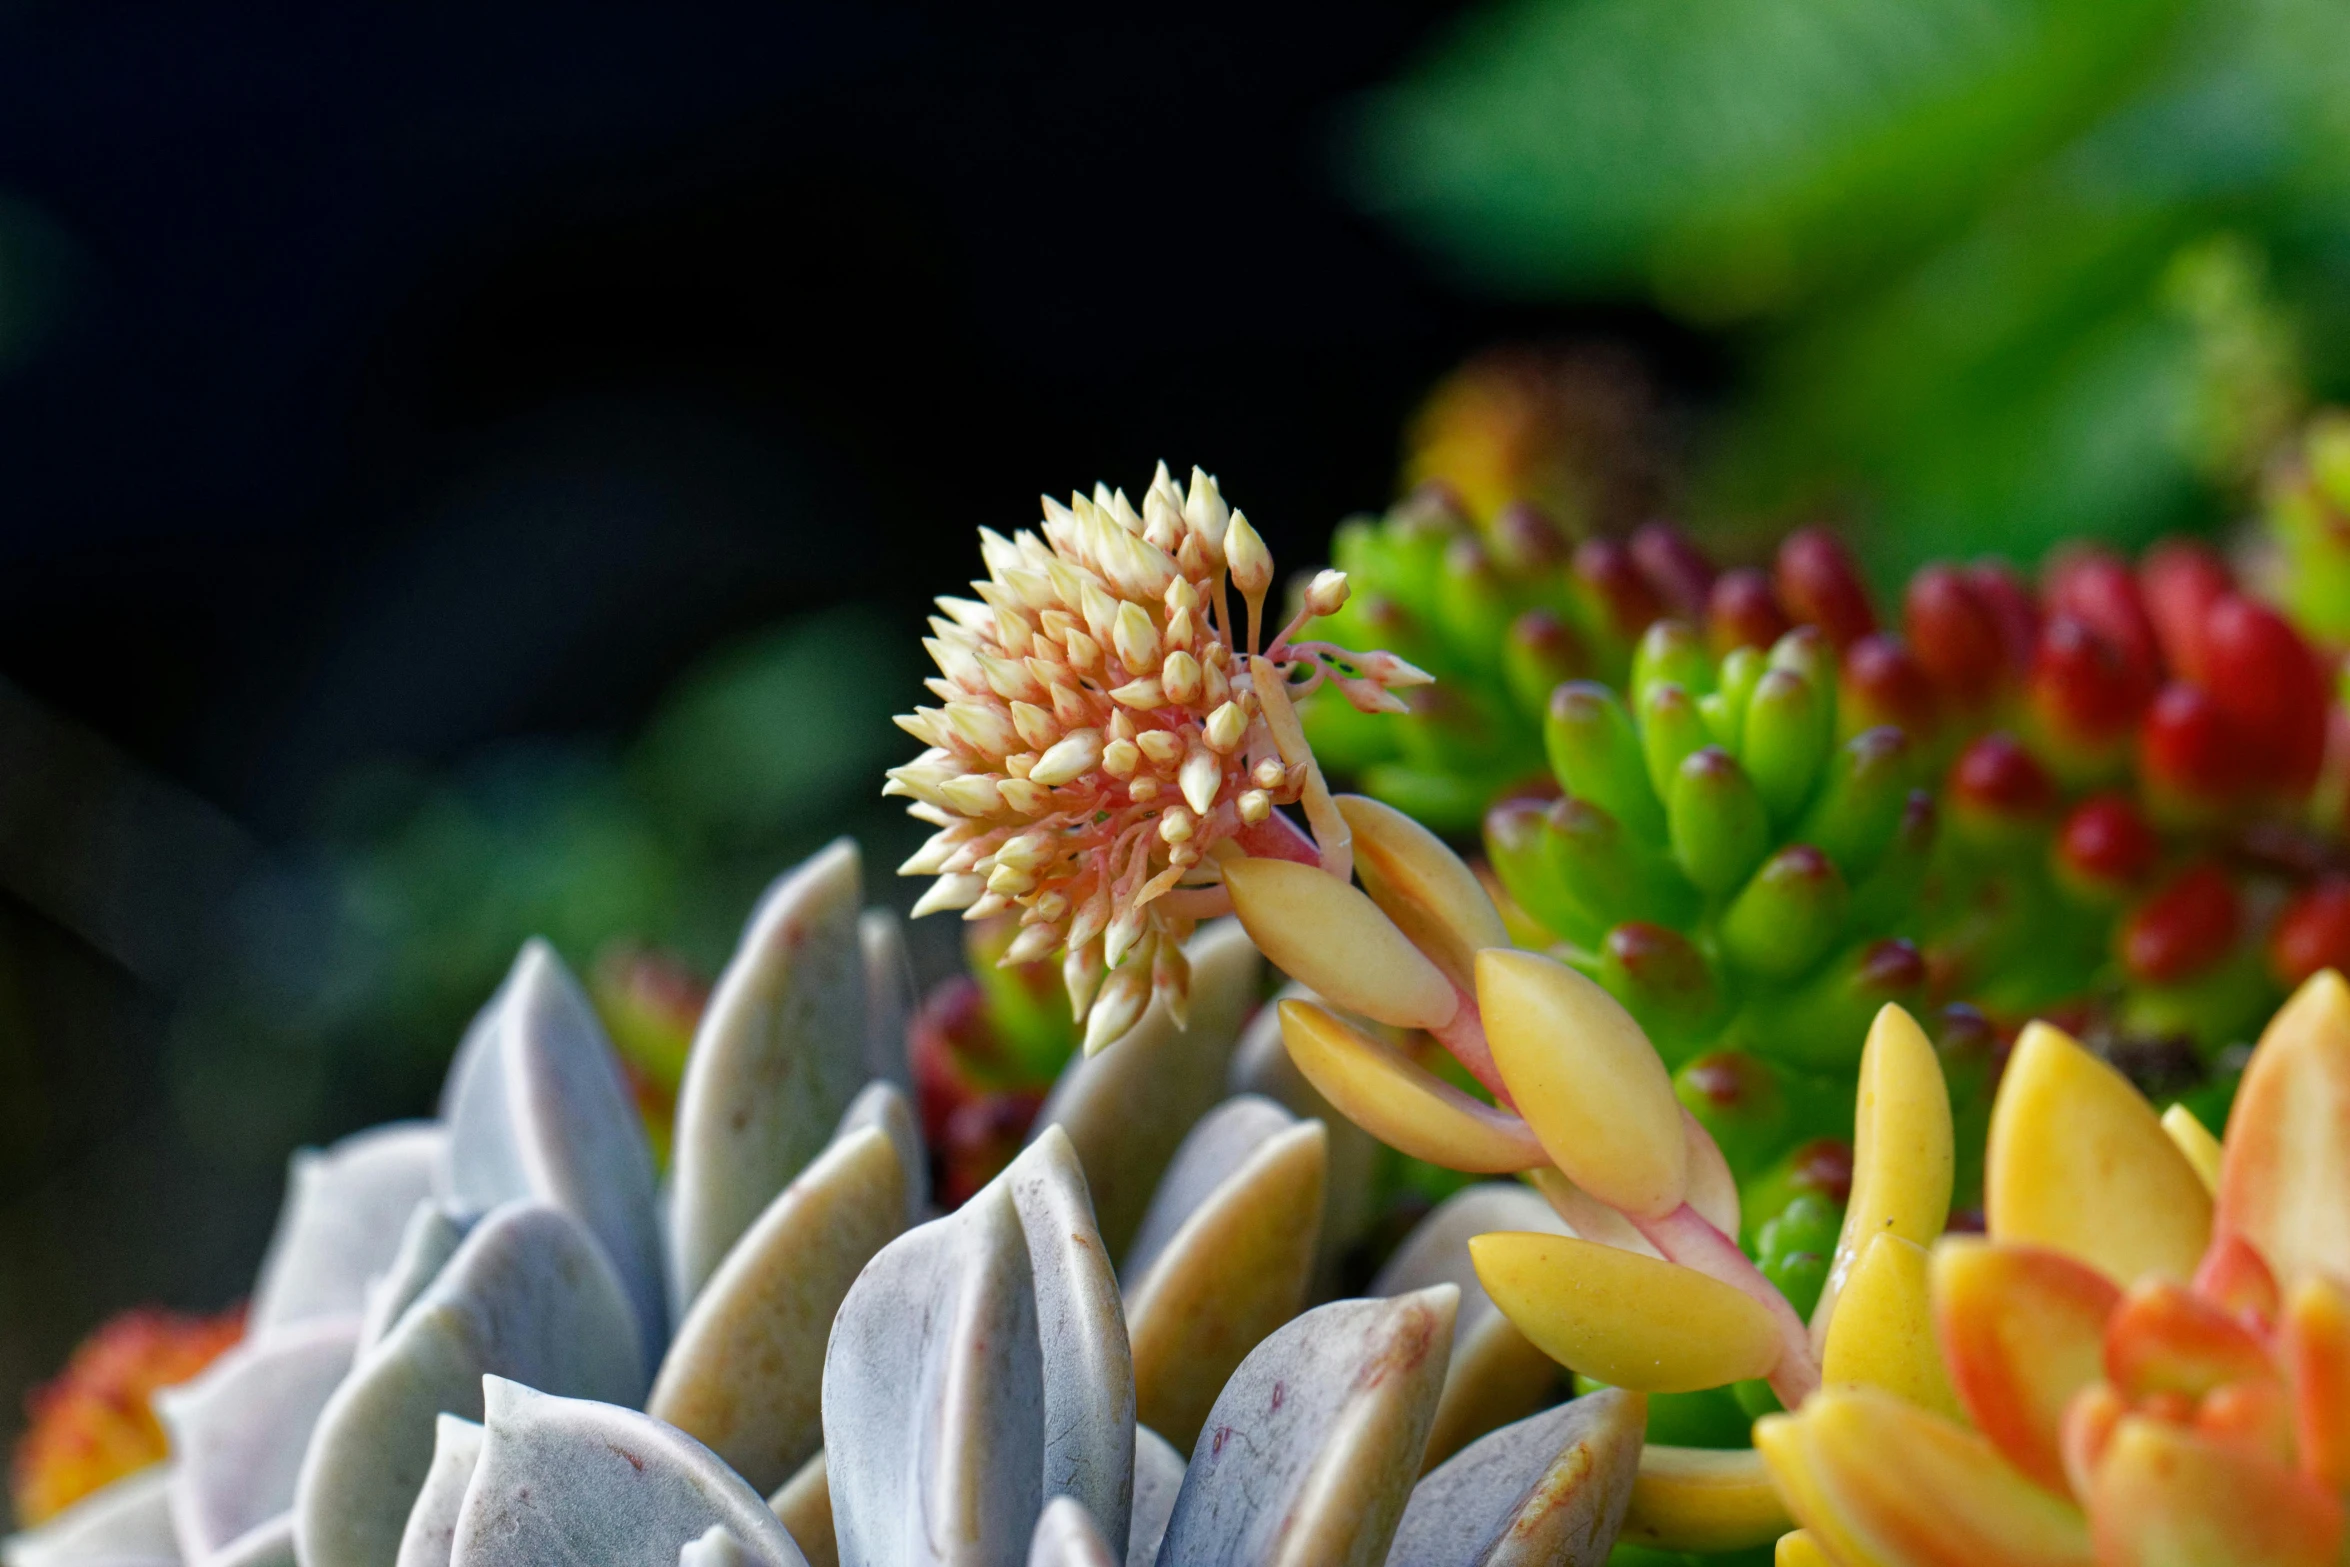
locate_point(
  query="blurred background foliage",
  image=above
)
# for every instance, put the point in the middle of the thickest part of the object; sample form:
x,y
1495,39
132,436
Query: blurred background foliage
x,y
1990,271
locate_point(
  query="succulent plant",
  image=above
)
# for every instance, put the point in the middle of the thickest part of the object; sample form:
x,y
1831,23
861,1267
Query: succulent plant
x,y
2307,519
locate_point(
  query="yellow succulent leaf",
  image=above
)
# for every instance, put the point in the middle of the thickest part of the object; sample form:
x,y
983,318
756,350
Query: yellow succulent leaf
x,y
1429,891
1797,1548
1703,1499
1624,1319
2194,1139
1784,1442
1327,936
1915,1489
2165,1494
1882,1334
2078,1162
1586,1079
2285,1178
1400,1102
1902,1164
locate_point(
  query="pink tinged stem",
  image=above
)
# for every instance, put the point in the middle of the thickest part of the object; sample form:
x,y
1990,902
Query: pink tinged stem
x,y
1464,1036
1684,1236
1278,838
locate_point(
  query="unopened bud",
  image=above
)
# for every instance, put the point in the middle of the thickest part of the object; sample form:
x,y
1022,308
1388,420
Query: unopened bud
x,y
1162,746
1136,637
1175,824
1254,806
1120,758
1202,777
1226,726
1118,1007
1010,880
1719,826
2184,929
1070,758
1143,790
1327,593
1250,561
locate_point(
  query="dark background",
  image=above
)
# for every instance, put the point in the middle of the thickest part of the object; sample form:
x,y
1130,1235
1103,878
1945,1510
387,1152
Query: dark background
x,y
386,380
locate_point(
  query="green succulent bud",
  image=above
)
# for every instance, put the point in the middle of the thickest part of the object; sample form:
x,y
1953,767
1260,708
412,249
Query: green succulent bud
x,y
1786,917
1736,1096
1597,754
1664,982
1517,846
1725,706
1861,800
1719,825
1788,724
1671,652
1609,872
1541,653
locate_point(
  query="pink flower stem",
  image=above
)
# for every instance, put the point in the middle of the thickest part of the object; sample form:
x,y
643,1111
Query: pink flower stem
x,y
1278,838
1464,1036
1685,1237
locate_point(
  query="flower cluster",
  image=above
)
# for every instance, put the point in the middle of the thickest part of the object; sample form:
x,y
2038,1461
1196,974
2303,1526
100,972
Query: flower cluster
x,y
1108,732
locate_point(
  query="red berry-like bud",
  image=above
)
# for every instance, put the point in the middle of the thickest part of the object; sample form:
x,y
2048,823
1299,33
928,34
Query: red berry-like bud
x,y
1995,779
2106,844
1743,611
1729,1080
2312,933
2014,606
2268,681
1680,572
1821,586
1617,586
2184,928
1824,1166
1956,636
2180,581
1891,967
1883,683
2193,758
2097,588
2084,689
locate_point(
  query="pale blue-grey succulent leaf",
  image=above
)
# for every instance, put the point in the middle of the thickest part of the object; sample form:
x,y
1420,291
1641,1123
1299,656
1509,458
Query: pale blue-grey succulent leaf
x,y
341,1222
745,1374
1158,1476
542,1111
431,1238
778,1056
1127,1109
1067,1536
1496,1375
889,996
934,1397
1351,1199
432,1523
127,1520
1088,1367
1219,1144
715,1547
1308,1456
884,1106
564,1481
804,1504
269,1543
1548,1491
529,1295
239,1428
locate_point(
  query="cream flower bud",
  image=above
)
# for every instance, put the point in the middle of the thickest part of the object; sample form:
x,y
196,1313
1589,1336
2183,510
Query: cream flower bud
x,y
1141,695
973,794
1084,652
1175,824
1080,752
1036,726
1255,806
1143,790
1136,638
1251,561
1010,881
949,892
1120,758
1268,774
1179,677
1162,746
1201,778
1226,727
1326,594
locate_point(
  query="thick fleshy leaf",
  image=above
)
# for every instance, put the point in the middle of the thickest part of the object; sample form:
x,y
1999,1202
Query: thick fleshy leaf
x,y
889,997
1913,1488
2317,1358
1307,1458
1429,891
128,1521
1067,1536
1901,1151
1324,934
1547,1491
530,1295
2078,1162
1351,1197
1402,1103
1222,1257
885,1107
1785,1443
2285,1177
1703,1499
779,1055
1158,1479
238,1430
537,1108
716,1547
431,1532
1626,1320
269,1543
2022,1330
345,1210
2194,1139
804,1507
1127,1109
1495,1376
1797,1548
429,1240
567,1480
2166,1497
2163,1338
1586,1079
1882,1334
745,1373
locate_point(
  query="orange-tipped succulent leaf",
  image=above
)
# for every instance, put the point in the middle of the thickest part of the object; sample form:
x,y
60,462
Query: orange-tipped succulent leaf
x,y
1785,1443
2233,1277
1625,1319
1901,1150
1912,1488
2078,1162
2168,1497
2317,1358
2163,1338
2285,1174
1400,1102
2022,1332
1428,890
1882,1335
1330,938
1587,1080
